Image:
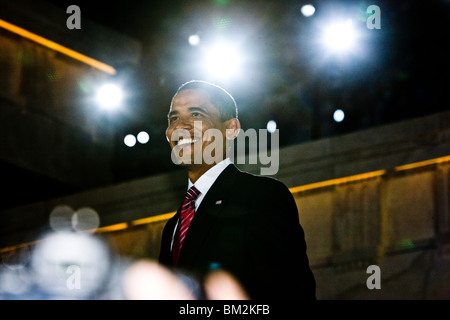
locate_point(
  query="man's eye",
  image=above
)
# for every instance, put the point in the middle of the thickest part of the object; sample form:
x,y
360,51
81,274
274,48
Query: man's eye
x,y
196,114
172,119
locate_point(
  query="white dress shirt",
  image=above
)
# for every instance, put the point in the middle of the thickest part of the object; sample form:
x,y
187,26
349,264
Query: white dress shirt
x,y
204,183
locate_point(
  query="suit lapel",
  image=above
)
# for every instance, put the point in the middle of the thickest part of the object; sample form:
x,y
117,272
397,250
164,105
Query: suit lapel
x,y
206,214
165,255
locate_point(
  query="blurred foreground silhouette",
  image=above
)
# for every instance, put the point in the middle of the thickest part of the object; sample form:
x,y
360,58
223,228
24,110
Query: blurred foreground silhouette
x,y
73,265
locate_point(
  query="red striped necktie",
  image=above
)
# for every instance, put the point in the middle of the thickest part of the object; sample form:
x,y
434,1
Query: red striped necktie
x,y
186,215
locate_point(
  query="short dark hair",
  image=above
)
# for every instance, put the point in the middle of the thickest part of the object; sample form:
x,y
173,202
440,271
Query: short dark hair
x,y
220,98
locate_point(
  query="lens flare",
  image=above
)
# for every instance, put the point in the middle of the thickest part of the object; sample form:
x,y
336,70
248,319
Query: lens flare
x,y
109,96
340,37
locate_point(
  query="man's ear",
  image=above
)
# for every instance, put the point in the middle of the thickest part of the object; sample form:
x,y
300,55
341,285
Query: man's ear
x,y
232,126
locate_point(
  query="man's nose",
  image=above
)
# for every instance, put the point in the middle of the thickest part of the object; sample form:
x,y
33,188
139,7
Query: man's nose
x,y
185,123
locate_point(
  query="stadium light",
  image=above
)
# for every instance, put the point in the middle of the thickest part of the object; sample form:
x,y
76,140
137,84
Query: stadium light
x,y
143,137
222,61
308,10
109,96
194,40
271,126
129,140
338,115
340,37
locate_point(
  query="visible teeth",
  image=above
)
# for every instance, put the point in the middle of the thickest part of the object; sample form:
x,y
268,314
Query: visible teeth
x,y
186,141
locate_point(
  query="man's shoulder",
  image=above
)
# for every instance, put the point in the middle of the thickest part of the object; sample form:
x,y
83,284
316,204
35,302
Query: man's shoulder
x,y
259,181
265,193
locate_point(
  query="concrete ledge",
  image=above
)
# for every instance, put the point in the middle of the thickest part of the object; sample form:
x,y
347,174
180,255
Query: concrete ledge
x,y
375,149
92,39
380,148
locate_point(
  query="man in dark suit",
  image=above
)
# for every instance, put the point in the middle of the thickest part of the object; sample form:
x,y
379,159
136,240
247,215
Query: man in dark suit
x,y
245,224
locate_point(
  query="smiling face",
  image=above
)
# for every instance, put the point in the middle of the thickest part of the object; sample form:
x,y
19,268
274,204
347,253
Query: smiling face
x,y
191,116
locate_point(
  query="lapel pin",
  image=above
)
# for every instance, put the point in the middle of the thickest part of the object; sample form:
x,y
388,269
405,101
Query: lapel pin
x,y
218,201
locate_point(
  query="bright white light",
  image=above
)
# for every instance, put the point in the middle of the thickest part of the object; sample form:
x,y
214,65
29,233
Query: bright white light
x,y
85,219
222,61
340,37
129,140
194,40
338,115
61,256
271,126
308,10
61,218
143,137
109,96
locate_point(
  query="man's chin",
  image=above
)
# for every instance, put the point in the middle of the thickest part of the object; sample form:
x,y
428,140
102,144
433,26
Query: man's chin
x,y
188,166
191,157
181,158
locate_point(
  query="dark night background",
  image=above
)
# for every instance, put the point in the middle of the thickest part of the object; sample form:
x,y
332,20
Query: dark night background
x,y
401,71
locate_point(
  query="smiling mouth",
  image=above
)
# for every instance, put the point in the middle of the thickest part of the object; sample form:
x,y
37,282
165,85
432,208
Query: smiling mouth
x,y
183,142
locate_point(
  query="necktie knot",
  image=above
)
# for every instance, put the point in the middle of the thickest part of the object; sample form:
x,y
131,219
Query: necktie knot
x,y
192,194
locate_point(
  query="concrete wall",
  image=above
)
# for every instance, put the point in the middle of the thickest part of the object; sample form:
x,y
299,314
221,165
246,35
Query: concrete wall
x,y
376,197
49,123
397,220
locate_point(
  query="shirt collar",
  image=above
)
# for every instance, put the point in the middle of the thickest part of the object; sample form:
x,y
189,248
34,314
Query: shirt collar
x,y
207,179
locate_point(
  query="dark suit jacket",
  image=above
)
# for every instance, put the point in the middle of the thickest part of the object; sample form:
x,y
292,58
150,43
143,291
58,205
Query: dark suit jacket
x,y
254,233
